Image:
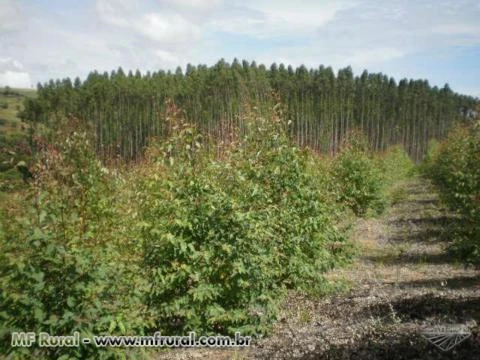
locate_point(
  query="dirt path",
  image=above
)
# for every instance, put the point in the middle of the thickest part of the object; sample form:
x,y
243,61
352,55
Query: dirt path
x,y
403,280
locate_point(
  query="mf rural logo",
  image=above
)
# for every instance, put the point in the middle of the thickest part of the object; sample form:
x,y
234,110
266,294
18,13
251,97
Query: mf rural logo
x,y
446,337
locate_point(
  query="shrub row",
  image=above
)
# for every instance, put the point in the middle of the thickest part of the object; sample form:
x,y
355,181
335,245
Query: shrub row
x,y
224,239
64,266
184,241
454,166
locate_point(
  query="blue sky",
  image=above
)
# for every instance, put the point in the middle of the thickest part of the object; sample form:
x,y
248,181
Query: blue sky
x,y
438,40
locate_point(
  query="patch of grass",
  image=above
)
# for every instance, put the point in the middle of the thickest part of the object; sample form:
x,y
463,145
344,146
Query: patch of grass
x,y
10,180
12,133
305,317
30,93
337,283
10,105
237,355
398,195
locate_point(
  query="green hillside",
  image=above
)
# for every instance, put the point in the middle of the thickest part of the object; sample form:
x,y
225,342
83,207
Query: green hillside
x,y
13,135
11,102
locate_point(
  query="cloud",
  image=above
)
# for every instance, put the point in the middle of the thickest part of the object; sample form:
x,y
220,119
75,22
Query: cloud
x,y
458,29
10,64
167,57
15,79
11,16
192,4
12,74
375,55
166,27
58,41
365,35
111,12
276,18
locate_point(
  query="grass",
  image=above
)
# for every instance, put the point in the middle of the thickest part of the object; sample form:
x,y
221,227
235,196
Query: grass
x,y
305,317
10,105
12,132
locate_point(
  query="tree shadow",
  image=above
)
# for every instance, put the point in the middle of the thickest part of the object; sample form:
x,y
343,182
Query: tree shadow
x,y
380,345
409,259
425,230
458,282
426,306
428,201
398,341
428,222
419,190
424,236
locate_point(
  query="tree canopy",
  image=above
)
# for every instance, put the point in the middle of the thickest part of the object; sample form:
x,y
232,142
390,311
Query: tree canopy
x,y
127,109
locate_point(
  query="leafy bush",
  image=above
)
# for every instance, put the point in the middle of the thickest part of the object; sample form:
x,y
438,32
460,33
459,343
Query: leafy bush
x,y
395,165
63,267
192,242
356,177
224,239
291,194
455,169
432,151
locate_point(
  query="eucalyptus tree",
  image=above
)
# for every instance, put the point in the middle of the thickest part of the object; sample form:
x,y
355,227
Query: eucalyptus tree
x,y
126,110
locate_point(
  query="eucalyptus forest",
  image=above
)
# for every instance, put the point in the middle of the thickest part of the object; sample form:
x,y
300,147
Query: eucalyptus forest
x,y
125,110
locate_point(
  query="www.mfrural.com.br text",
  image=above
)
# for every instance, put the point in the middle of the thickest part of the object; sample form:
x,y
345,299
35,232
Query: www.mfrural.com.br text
x,y
43,339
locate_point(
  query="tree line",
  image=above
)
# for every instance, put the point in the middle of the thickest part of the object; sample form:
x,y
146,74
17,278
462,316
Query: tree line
x,y
125,110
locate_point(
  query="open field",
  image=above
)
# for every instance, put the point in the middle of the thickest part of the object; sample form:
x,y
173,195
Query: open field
x,y
10,104
13,131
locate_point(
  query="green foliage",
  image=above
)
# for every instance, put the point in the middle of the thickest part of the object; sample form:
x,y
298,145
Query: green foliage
x,y
395,165
455,169
126,109
63,267
432,151
356,178
14,145
224,239
183,241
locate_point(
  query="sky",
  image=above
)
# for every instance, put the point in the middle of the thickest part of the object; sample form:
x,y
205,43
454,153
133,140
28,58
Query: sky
x,y
437,40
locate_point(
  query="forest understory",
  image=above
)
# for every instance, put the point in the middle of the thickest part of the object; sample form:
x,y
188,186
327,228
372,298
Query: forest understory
x,y
402,281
